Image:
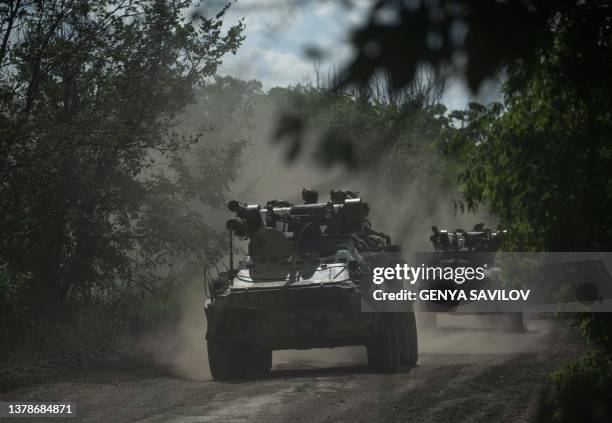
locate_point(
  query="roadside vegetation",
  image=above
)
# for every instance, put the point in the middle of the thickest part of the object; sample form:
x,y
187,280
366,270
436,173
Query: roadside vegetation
x,y
542,162
100,215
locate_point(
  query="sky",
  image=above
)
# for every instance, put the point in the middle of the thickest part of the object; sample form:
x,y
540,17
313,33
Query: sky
x,y
278,33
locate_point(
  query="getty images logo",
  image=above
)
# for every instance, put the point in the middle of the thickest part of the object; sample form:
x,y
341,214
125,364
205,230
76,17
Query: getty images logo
x,y
414,273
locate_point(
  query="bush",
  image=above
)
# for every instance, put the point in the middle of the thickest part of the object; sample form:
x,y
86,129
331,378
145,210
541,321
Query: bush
x,y
82,329
583,389
597,329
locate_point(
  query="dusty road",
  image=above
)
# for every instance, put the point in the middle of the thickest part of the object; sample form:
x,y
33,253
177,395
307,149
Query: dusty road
x,y
464,374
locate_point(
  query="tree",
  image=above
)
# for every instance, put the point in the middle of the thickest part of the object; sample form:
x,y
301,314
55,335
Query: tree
x,y
93,191
474,40
373,126
542,161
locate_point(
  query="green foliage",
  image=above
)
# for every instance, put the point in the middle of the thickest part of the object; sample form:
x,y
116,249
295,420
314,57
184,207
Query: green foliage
x,y
584,389
103,198
597,329
542,162
473,39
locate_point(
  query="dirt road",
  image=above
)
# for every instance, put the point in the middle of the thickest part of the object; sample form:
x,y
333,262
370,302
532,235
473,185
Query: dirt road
x,y
464,374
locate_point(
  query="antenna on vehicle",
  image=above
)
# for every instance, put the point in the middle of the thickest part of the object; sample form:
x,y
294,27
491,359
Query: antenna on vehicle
x,y
231,251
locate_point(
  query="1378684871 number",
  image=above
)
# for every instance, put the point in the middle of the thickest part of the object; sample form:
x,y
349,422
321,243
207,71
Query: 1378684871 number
x,y
37,408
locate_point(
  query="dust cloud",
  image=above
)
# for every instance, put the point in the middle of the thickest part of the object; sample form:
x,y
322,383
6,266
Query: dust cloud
x,y
181,348
406,214
482,334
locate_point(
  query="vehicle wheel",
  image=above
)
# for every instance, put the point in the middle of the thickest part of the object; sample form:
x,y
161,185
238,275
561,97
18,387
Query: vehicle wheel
x,y
428,320
513,322
226,361
258,362
409,354
385,346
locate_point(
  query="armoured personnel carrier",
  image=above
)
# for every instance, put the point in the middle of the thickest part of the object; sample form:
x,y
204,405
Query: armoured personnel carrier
x,y
299,287
459,248
557,281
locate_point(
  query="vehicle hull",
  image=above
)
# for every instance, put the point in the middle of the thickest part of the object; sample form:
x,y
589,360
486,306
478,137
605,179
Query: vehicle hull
x,y
304,317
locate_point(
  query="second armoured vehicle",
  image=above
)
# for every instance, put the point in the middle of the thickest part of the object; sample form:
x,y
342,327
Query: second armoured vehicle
x,y
459,248
299,287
